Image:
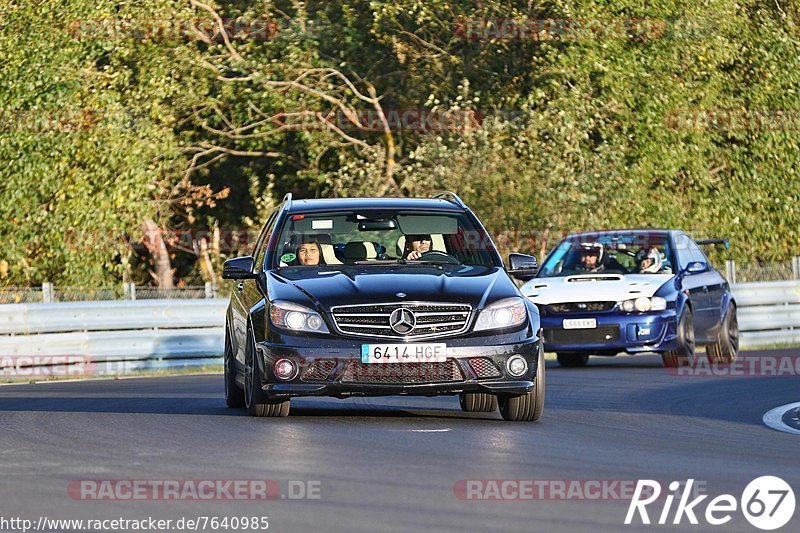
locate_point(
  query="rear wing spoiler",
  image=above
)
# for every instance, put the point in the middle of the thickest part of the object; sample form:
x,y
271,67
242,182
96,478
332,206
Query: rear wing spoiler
x,y
724,242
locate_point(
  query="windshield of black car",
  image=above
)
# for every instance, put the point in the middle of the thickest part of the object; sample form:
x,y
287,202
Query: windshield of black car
x,y
347,238
610,253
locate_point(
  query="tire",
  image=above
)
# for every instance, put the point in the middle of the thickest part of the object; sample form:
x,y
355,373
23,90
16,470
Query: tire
x,y
255,400
572,360
683,355
725,350
527,407
234,396
477,402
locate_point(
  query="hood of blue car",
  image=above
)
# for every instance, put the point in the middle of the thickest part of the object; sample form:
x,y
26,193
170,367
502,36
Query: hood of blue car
x,y
593,287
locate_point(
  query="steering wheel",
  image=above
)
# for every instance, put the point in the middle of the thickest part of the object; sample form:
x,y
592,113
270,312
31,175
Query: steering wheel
x,y
439,257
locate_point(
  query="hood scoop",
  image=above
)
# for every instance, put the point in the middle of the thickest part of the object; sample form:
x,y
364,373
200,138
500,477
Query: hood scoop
x,y
593,277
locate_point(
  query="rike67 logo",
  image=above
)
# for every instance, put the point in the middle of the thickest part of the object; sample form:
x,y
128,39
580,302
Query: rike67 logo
x,y
767,503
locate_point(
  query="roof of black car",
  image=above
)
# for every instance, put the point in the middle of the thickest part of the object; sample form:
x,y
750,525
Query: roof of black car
x,y
356,204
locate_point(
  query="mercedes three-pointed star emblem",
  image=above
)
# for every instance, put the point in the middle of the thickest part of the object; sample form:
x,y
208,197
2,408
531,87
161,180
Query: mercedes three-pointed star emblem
x,y
402,321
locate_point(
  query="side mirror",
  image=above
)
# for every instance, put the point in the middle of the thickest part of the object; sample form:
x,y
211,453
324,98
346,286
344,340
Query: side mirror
x,y
696,267
239,268
523,267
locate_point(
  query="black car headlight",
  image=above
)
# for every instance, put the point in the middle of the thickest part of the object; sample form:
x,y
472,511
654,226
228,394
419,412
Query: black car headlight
x,y
505,313
295,317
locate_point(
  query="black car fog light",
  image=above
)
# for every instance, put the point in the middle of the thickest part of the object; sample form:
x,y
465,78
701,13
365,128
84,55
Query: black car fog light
x,y
516,365
285,369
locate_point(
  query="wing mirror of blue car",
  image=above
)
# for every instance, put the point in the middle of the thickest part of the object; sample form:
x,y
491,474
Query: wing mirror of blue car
x,y
696,267
239,268
522,267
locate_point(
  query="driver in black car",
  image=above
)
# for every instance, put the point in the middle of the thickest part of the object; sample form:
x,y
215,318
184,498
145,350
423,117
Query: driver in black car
x,y
416,245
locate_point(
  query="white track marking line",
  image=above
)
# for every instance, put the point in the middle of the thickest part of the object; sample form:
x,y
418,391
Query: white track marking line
x,y
774,418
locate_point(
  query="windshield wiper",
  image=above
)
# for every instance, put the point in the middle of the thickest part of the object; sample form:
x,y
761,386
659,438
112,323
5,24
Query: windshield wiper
x,y
375,262
426,263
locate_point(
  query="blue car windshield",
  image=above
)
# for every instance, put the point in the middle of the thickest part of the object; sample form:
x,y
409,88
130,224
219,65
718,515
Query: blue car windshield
x,y
610,253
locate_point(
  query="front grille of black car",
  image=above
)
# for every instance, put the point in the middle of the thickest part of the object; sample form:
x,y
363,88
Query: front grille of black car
x,y
580,307
484,368
402,373
432,319
318,370
598,335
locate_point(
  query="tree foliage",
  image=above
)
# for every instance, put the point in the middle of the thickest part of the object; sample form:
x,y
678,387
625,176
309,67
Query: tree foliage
x,y
657,115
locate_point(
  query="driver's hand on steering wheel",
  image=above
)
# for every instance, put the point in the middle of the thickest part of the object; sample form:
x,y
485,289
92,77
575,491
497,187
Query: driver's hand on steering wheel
x,y
414,255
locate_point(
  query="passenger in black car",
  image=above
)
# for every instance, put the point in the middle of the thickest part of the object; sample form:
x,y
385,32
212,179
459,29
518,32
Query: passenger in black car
x,y
309,253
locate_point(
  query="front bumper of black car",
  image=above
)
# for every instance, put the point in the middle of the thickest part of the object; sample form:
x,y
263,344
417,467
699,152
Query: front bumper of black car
x,y
338,370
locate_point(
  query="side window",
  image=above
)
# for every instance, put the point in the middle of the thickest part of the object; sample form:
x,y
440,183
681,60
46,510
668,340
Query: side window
x,y
697,254
263,239
683,247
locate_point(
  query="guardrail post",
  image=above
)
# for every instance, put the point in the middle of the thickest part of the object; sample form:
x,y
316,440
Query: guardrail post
x,y
129,290
730,271
209,290
796,267
47,292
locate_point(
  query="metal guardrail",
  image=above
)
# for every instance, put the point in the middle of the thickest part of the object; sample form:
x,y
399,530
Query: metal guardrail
x,y
23,319
769,314
107,330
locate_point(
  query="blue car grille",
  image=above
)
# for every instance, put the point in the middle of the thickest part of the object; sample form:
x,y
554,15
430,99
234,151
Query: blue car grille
x,y
580,307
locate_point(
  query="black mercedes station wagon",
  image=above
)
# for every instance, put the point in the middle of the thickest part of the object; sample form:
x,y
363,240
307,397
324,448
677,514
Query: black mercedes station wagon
x,y
381,296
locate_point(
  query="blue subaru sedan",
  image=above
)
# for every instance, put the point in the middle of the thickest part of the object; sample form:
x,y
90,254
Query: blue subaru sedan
x,y
604,293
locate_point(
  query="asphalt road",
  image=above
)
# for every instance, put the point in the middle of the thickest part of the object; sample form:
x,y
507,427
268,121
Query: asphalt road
x,y
391,464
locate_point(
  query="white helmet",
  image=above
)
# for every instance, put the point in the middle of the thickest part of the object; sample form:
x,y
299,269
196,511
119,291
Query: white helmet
x,y
594,248
655,257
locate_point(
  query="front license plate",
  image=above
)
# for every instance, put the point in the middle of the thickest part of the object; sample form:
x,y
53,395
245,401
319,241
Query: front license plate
x,y
404,353
580,323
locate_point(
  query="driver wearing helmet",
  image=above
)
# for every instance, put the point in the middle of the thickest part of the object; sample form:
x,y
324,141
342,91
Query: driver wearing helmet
x,y
649,261
592,255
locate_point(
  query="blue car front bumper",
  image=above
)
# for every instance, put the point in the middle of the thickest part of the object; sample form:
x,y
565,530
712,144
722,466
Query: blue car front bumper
x,y
615,332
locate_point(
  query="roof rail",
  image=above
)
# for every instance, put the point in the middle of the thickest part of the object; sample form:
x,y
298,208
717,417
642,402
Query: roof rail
x,y
451,197
287,201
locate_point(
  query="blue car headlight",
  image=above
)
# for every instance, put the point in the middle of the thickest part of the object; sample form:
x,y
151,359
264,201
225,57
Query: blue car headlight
x,y
644,304
505,313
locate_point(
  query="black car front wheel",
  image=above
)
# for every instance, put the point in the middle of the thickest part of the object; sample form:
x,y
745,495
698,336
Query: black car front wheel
x,y
683,355
726,348
256,401
526,407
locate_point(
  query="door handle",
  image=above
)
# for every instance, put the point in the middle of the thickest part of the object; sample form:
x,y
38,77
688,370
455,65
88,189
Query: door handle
x,y
240,286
